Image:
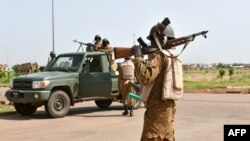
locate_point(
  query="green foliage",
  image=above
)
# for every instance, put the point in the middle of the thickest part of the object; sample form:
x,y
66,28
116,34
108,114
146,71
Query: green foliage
x,y
4,108
221,73
231,71
209,79
5,77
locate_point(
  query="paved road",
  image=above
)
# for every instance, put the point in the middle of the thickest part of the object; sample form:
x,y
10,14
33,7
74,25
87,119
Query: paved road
x,y
199,117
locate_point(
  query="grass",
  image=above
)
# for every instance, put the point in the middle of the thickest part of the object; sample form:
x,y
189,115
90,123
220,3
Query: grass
x,y
6,108
208,79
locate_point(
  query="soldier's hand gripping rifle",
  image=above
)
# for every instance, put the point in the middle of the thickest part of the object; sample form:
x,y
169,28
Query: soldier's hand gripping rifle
x,y
86,44
146,49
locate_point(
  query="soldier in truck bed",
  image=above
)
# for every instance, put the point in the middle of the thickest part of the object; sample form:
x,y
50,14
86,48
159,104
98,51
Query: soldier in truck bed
x,y
105,47
109,50
97,42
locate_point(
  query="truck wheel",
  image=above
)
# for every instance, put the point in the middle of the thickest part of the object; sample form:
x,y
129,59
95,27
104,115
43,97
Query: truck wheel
x,y
25,109
103,104
58,104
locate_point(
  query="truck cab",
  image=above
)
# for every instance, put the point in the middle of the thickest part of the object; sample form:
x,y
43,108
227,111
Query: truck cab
x,y
67,79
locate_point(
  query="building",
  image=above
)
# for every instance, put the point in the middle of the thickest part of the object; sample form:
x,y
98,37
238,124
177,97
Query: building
x,y
27,68
3,67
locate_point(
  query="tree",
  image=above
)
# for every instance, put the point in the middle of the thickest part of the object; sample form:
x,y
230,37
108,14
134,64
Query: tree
x,y
221,73
230,72
15,68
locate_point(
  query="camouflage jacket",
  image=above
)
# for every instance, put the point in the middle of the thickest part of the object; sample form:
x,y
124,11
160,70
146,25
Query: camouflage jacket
x,y
106,49
146,74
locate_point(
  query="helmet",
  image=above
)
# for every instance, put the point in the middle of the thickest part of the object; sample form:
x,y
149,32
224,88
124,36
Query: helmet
x,y
169,32
105,42
97,37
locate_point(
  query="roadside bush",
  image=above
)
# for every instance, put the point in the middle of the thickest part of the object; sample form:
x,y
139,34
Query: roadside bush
x,y
222,72
230,72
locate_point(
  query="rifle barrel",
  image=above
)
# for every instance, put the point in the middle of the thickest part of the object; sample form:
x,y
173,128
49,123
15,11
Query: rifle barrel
x,y
200,33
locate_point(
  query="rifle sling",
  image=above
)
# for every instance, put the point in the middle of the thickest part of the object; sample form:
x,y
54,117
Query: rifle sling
x,y
159,45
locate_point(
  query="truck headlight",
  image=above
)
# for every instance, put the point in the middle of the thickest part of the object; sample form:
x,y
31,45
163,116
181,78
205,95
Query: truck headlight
x,y
40,84
11,83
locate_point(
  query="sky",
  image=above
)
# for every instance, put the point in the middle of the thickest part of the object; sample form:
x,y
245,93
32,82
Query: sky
x,y
26,27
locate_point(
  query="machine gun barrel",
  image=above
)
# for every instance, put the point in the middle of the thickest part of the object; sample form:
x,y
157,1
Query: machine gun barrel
x,y
86,44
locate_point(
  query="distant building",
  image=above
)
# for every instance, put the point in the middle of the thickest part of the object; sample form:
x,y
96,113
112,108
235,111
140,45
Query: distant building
x,y
27,68
204,66
3,68
189,66
241,66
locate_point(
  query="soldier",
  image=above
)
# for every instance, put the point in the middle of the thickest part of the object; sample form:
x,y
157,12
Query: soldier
x,y
159,114
97,42
126,75
105,47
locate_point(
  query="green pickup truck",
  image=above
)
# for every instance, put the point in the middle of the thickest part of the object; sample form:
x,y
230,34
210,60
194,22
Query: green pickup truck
x,y
67,79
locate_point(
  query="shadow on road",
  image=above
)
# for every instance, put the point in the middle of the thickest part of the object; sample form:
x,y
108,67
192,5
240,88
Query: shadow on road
x,y
74,111
85,112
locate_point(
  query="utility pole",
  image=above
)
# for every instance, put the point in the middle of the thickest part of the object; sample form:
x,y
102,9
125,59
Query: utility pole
x,y
134,38
53,40
7,58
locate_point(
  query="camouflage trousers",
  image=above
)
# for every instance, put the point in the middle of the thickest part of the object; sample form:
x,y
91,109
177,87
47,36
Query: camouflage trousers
x,y
125,89
158,122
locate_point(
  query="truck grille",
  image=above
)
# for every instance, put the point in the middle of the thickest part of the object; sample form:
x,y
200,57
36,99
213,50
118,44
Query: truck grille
x,y
20,84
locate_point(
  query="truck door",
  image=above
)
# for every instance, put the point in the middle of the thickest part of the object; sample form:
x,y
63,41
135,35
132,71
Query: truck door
x,y
95,79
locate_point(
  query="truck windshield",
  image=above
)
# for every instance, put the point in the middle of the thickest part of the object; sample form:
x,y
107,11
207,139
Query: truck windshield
x,y
67,63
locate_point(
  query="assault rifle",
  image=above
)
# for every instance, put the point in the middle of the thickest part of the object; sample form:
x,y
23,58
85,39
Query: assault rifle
x,y
146,49
183,40
89,45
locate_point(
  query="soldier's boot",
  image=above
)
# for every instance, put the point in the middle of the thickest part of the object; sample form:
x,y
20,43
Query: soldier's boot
x,y
131,111
125,113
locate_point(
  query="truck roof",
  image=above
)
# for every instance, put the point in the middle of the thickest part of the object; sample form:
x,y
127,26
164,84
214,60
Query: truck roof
x,y
80,53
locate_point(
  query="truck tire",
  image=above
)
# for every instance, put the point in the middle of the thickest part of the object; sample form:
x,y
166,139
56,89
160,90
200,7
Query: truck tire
x,y
103,104
25,109
58,104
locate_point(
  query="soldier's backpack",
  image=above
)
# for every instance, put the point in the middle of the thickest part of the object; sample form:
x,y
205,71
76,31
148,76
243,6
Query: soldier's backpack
x,y
128,70
173,77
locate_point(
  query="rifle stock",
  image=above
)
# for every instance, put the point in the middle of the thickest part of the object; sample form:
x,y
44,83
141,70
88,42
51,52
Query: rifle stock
x,y
122,52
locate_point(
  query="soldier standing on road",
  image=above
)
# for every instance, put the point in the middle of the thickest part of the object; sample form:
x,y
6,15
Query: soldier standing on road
x,y
126,75
159,115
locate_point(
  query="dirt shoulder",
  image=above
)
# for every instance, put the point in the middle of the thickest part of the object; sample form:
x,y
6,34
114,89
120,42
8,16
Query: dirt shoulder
x,y
218,91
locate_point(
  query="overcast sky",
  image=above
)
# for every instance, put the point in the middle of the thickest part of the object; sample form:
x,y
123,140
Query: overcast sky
x,y
26,26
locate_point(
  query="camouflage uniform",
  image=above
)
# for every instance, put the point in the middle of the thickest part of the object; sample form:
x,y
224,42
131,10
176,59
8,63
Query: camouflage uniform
x,y
124,89
106,49
159,115
109,50
98,45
